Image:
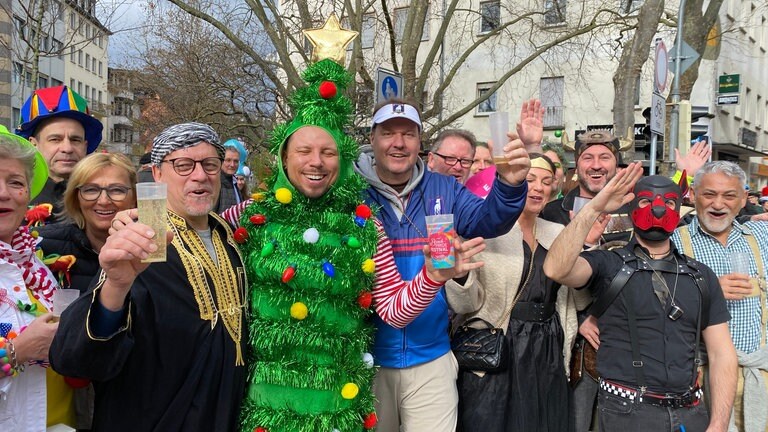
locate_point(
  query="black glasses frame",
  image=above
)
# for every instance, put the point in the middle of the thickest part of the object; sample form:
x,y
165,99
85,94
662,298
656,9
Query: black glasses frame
x,y
174,163
109,190
465,163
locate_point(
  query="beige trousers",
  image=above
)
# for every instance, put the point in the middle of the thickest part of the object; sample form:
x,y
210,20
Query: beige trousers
x,y
418,399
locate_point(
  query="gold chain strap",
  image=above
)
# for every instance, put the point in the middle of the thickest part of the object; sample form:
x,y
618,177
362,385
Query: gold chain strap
x,y
508,313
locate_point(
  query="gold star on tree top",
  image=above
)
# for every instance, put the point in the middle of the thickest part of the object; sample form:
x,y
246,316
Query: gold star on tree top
x,y
330,41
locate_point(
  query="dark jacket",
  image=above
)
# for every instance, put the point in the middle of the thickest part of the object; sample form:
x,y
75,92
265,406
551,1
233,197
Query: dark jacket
x,y
66,238
52,193
228,195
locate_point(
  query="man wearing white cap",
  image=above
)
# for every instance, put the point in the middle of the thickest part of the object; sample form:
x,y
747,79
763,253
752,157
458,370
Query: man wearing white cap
x,y
415,385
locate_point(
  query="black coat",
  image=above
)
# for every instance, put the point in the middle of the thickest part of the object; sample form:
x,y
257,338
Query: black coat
x,y
66,238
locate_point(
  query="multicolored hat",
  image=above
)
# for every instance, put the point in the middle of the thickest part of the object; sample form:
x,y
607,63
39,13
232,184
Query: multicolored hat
x,y
40,170
59,101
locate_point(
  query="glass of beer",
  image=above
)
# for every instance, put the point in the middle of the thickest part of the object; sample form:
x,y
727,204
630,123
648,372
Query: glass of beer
x,y
499,124
62,298
151,198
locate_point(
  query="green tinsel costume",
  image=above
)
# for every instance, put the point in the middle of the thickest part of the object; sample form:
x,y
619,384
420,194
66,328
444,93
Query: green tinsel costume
x,y
309,300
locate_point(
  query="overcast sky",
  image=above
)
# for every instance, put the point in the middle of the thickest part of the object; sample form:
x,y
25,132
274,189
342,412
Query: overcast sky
x,y
124,18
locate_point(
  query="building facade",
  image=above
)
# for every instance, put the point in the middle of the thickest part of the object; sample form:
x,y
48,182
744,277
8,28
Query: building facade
x,y
575,79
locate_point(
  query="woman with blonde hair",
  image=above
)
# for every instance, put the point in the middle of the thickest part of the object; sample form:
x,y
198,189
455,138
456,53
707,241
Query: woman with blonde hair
x,y
100,185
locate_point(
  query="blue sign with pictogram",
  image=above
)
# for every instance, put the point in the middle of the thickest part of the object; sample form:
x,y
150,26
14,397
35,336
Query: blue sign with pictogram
x,y
388,85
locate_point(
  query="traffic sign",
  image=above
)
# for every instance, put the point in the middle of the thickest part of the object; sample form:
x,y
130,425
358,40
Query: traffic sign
x,y
658,114
731,99
660,67
687,57
388,85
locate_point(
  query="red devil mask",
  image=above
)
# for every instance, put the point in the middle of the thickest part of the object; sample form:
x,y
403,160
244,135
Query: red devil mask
x,y
656,219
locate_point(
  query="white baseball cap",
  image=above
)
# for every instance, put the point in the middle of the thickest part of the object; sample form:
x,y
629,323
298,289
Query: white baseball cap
x,y
396,110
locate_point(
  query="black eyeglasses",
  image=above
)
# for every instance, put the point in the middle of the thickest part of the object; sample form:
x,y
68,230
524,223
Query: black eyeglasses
x,y
451,161
184,166
91,192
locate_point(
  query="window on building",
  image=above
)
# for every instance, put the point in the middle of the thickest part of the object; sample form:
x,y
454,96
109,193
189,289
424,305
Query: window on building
x,y
490,16
87,62
21,27
100,67
72,20
88,31
18,72
400,17
100,100
79,88
93,65
28,79
58,10
87,93
16,116
551,91
93,94
368,34
489,104
55,82
42,81
554,11
123,134
629,6
72,54
80,58
72,84
58,47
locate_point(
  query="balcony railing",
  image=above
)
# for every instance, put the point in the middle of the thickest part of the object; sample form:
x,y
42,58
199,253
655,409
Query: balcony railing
x,y
553,117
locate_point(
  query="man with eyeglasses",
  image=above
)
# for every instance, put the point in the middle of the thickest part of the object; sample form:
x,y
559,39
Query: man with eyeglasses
x,y
57,121
415,383
174,330
452,154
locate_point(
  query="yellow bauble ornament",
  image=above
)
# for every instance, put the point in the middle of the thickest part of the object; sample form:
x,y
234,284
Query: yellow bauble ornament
x,y
369,266
349,391
299,311
258,196
283,196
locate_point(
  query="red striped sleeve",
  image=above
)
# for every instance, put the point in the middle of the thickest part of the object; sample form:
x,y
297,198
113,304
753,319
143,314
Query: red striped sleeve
x,y
397,302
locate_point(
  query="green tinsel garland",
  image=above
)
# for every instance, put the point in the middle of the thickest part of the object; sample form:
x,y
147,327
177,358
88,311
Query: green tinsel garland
x,y
298,366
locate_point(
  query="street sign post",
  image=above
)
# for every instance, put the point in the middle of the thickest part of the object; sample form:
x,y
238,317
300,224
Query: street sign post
x,y
661,67
688,56
730,99
729,84
388,85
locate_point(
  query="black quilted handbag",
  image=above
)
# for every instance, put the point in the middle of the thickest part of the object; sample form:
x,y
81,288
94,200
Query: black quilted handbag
x,y
480,349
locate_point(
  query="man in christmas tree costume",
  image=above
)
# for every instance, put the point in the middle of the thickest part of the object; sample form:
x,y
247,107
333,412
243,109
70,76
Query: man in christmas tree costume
x,y
316,260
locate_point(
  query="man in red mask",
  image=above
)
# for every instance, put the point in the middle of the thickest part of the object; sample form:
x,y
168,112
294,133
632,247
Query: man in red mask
x,y
653,306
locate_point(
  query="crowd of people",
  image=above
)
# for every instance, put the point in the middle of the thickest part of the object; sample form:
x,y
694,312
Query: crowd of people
x,y
314,303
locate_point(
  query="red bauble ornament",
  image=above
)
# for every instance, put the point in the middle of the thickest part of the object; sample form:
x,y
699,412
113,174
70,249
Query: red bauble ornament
x,y
77,383
258,219
370,420
288,273
365,299
363,211
240,235
327,89
260,429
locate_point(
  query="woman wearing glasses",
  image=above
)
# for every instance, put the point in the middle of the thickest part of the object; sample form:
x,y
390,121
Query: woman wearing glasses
x,y
101,185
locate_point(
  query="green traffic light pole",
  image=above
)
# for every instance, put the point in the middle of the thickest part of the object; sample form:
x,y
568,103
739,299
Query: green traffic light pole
x,y
674,118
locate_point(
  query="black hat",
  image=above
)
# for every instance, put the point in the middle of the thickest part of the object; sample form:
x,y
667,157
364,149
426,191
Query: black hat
x,y
599,137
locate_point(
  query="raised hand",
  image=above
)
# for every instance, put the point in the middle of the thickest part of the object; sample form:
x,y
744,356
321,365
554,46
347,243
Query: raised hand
x,y
530,127
618,191
518,163
696,157
464,252
120,258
